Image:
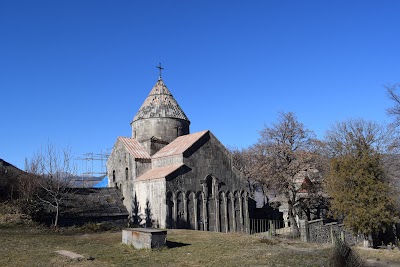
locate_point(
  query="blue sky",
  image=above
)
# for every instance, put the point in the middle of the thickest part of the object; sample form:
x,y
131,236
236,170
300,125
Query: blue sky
x,y
74,73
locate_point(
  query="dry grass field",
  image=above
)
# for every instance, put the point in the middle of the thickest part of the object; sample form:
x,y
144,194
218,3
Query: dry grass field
x,y
379,257
35,246
23,245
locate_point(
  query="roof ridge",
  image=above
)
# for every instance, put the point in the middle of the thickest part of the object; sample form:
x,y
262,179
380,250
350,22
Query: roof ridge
x,y
159,172
180,144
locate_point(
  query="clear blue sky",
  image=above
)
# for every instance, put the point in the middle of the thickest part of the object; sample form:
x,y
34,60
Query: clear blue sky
x,y
75,72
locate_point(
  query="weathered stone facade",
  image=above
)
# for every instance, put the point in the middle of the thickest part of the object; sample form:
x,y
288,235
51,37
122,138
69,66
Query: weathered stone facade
x,y
177,179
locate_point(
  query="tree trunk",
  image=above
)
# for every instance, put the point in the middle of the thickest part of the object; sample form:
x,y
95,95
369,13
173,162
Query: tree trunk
x,y
57,214
308,214
292,220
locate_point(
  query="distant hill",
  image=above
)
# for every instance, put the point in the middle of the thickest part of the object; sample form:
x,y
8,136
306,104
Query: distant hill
x,y
9,180
4,165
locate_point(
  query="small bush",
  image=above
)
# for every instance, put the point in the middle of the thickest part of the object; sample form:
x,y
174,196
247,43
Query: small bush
x,y
10,213
97,227
8,208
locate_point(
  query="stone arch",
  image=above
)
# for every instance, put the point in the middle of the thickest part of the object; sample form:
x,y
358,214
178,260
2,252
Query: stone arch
x,y
180,210
170,210
200,211
191,209
210,203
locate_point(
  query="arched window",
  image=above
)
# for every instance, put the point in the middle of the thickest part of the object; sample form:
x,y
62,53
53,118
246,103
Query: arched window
x,y
113,176
126,173
209,184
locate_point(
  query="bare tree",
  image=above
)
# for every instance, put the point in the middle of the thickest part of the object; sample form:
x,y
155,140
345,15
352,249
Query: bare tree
x,y
55,170
355,135
391,90
286,155
243,161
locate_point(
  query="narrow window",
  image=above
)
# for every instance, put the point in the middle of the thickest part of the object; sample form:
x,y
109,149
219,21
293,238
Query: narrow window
x,y
209,187
113,177
126,174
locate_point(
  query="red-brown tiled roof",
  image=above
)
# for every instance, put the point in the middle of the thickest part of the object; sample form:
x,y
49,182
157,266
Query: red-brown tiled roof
x,y
134,148
158,173
179,145
305,185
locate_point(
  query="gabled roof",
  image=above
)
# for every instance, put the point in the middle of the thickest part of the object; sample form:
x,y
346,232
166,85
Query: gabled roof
x,y
179,145
94,202
158,173
305,185
160,104
134,148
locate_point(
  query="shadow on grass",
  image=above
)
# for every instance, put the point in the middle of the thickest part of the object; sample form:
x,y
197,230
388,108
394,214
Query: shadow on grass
x,y
172,244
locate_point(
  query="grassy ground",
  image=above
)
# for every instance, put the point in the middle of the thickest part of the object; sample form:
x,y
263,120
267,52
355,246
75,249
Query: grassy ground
x,y
379,257
32,246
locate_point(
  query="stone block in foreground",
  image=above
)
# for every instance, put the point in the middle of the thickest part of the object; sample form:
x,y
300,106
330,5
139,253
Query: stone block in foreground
x,y
144,237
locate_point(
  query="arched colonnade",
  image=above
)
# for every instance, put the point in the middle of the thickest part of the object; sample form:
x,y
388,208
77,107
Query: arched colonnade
x,y
209,209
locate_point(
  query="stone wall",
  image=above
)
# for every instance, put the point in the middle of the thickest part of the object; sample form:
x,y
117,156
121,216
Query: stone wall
x,y
141,166
165,161
151,197
167,129
207,157
317,231
209,194
123,169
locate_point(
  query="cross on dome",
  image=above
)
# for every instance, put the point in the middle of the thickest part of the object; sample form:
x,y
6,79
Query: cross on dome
x,y
160,68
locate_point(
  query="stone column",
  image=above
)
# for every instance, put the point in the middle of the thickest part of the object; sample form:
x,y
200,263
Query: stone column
x,y
233,213
185,209
241,212
196,226
225,203
216,200
205,200
175,211
214,187
246,213
205,217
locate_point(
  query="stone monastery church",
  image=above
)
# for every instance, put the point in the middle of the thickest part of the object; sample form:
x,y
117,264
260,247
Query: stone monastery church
x,y
177,178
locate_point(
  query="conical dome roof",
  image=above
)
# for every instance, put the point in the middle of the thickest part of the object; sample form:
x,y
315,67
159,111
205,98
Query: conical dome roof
x,y
160,104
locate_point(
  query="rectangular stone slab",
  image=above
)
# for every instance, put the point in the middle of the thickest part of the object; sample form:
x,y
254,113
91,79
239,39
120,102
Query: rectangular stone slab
x,y
70,254
144,237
